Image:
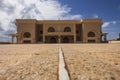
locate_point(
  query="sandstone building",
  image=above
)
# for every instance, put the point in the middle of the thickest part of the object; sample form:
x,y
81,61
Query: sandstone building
x,y
59,31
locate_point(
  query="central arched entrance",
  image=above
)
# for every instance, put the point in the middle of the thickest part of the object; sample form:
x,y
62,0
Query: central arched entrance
x,y
65,40
53,40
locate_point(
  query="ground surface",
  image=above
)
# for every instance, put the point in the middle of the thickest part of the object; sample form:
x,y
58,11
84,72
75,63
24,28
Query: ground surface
x,y
40,61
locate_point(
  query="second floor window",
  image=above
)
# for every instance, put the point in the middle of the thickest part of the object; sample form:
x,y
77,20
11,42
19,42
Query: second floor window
x,y
67,29
51,29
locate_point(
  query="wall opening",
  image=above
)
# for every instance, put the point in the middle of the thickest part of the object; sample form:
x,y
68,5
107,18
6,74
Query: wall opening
x,y
65,40
67,29
51,29
79,32
91,34
91,41
26,35
53,40
27,41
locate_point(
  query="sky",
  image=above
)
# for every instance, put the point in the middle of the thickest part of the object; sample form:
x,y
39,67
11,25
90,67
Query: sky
x,y
107,10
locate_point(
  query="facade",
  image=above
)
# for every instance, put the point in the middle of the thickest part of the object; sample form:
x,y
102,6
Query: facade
x,y
58,31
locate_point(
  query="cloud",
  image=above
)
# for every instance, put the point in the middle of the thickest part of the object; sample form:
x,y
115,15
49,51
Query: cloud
x,y
32,9
107,24
95,16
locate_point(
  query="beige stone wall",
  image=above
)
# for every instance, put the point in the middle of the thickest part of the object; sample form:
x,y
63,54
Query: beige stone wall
x,y
58,27
26,26
93,25
114,42
90,26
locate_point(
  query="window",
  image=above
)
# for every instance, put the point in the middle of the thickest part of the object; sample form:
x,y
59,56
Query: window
x,y
77,31
67,29
91,34
26,35
41,32
51,29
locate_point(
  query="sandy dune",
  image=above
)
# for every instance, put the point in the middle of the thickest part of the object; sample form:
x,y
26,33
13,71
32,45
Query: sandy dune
x,y
40,61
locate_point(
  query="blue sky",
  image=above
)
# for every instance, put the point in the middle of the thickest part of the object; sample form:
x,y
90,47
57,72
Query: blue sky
x,y
107,10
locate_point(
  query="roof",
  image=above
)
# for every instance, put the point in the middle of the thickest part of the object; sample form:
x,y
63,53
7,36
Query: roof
x,y
58,21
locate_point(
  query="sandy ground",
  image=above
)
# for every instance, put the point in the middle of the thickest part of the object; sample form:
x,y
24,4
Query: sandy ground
x,y
28,62
40,61
93,61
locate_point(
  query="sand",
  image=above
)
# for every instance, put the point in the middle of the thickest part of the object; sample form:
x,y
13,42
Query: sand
x,y
28,62
41,61
93,61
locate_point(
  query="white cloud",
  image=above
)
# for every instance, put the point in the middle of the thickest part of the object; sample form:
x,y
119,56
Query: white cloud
x,y
32,9
107,24
95,16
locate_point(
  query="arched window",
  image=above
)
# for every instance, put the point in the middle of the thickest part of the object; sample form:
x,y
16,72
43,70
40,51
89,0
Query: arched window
x,y
26,35
91,34
51,29
67,29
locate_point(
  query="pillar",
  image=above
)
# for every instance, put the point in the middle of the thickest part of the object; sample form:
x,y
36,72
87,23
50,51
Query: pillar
x,y
43,38
59,39
105,38
12,39
74,33
17,39
74,38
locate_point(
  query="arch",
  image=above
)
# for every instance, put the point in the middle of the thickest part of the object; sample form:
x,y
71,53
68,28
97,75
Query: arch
x,y
51,29
67,29
53,40
26,35
91,34
65,40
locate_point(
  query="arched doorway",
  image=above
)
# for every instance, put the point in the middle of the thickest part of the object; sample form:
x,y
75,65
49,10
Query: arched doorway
x,y
65,40
53,40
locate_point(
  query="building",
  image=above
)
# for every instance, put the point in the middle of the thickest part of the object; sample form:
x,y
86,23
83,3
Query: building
x,y
58,31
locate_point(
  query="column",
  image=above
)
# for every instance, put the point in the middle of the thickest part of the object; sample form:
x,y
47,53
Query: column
x,y
74,34
43,38
74,38
44,32
12,39
105,38
59,38
17,39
